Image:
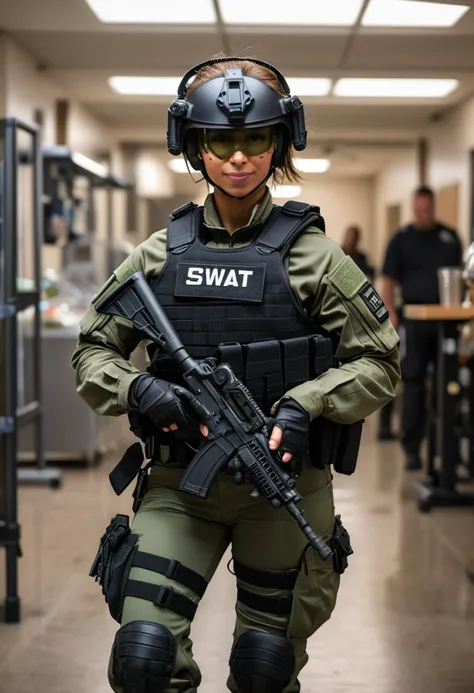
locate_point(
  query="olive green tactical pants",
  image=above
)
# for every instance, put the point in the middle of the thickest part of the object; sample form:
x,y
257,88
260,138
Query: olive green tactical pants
x,y
197,532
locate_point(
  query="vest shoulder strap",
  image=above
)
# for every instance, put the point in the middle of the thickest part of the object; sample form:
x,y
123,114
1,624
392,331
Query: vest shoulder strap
x,y
286,223
183,226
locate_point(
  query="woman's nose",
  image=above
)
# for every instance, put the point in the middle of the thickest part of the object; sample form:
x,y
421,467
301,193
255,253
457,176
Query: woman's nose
x,y
238,158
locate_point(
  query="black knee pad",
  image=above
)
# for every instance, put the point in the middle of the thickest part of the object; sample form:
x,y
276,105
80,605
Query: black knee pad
x,y
143,657
262,663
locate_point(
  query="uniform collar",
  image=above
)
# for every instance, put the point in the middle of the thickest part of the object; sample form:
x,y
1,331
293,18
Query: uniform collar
x,y
213,229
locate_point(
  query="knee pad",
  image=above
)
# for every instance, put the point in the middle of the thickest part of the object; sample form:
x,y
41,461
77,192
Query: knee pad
x,y
262,663
143,657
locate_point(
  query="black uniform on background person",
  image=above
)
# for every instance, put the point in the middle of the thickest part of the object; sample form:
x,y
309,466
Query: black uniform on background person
x,y
350,247
413,257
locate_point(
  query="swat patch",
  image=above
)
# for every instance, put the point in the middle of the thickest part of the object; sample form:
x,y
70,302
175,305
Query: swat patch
x,y
230,282
373,302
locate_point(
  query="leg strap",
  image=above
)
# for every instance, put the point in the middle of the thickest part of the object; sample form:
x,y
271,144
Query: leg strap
x,y
162,596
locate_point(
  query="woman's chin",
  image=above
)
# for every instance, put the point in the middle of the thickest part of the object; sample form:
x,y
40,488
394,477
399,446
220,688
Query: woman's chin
x,y
240,189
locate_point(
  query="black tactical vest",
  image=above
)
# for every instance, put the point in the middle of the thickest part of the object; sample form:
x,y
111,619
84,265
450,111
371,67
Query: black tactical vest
x,y
237,303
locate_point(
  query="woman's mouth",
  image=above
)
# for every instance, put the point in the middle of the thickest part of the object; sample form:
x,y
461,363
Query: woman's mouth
x,y
238,178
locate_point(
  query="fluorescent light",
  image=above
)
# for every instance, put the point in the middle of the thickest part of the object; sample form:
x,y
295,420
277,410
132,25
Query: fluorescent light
x,y
178,166
90,165
297,12
145,86
309,86
154,11
286,191
395,88
168,86
412,14
312,165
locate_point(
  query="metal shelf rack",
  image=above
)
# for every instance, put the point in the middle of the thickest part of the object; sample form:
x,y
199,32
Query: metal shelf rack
x,y
12,302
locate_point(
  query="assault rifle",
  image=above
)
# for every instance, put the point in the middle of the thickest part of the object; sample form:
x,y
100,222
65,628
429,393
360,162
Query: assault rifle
x,y
237,426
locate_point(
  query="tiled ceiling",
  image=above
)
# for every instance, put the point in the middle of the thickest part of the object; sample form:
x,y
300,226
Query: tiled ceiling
x,y
76,48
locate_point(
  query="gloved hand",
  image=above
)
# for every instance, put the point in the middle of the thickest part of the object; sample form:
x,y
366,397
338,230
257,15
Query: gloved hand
x,y
291,440
165,404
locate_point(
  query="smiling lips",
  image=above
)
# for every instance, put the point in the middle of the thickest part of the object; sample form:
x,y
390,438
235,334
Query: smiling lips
x,y
238,178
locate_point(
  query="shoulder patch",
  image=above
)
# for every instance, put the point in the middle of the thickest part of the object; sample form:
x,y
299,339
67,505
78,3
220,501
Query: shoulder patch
x,y
373,302
446,236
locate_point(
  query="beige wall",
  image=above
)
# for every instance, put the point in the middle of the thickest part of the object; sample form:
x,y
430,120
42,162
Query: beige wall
x,y
393,186
28,88
450,141
3,60
343,201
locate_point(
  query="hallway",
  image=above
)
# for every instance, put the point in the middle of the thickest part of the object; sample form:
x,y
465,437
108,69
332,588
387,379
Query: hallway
x,y
404,620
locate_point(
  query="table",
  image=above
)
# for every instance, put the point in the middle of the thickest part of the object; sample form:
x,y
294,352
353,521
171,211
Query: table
x,y
440,489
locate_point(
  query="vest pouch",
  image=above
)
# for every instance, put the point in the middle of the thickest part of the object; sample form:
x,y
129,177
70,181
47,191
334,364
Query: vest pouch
x,y
348,447
324,437
335,444
112,564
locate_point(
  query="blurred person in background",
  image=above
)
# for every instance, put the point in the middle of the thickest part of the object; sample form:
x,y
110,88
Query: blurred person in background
x,y
350,246
237,124
413,257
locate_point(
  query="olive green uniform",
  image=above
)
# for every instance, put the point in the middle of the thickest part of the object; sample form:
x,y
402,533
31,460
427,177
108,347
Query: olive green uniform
x,y
176,525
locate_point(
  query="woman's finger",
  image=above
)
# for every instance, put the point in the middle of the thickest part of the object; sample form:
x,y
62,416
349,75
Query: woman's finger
x,y
287,457
204,430
275,438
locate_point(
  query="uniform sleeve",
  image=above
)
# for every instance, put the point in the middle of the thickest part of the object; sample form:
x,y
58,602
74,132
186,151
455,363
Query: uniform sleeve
x,y
104,372
392,266
344,304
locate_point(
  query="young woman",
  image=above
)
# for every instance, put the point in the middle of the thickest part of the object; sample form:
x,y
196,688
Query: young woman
x,y
266,290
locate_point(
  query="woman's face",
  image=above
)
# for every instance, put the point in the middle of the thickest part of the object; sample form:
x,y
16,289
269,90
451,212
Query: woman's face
x,y
237,160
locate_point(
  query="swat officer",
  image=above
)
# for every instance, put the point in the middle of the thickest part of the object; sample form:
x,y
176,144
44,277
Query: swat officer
x,y
260,282
413,257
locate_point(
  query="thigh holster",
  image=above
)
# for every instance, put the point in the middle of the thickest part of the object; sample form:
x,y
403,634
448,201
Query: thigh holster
x,y
118,553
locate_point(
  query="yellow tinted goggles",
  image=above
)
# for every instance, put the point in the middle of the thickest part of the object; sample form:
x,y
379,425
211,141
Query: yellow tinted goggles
x,y
224,143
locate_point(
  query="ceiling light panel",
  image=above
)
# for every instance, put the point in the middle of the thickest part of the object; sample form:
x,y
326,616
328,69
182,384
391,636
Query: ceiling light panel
x,y
145,86
312,165
309,86
295,13
412,13
154,11
395,88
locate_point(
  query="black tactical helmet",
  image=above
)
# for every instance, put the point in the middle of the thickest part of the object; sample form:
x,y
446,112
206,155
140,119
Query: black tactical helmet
x,y
234,101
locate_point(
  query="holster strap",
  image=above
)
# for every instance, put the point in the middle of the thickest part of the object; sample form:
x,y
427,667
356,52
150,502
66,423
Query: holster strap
x,y
162,596
276,579
174,570
269,605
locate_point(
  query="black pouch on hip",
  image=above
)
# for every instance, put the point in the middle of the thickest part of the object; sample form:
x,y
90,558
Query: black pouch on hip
x,y
341,546
111,566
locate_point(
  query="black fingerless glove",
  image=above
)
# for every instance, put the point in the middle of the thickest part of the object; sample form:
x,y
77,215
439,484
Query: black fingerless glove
x,y
294,422
162,402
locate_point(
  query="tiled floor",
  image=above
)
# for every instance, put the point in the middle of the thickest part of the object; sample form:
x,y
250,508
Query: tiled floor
x,y
404,621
